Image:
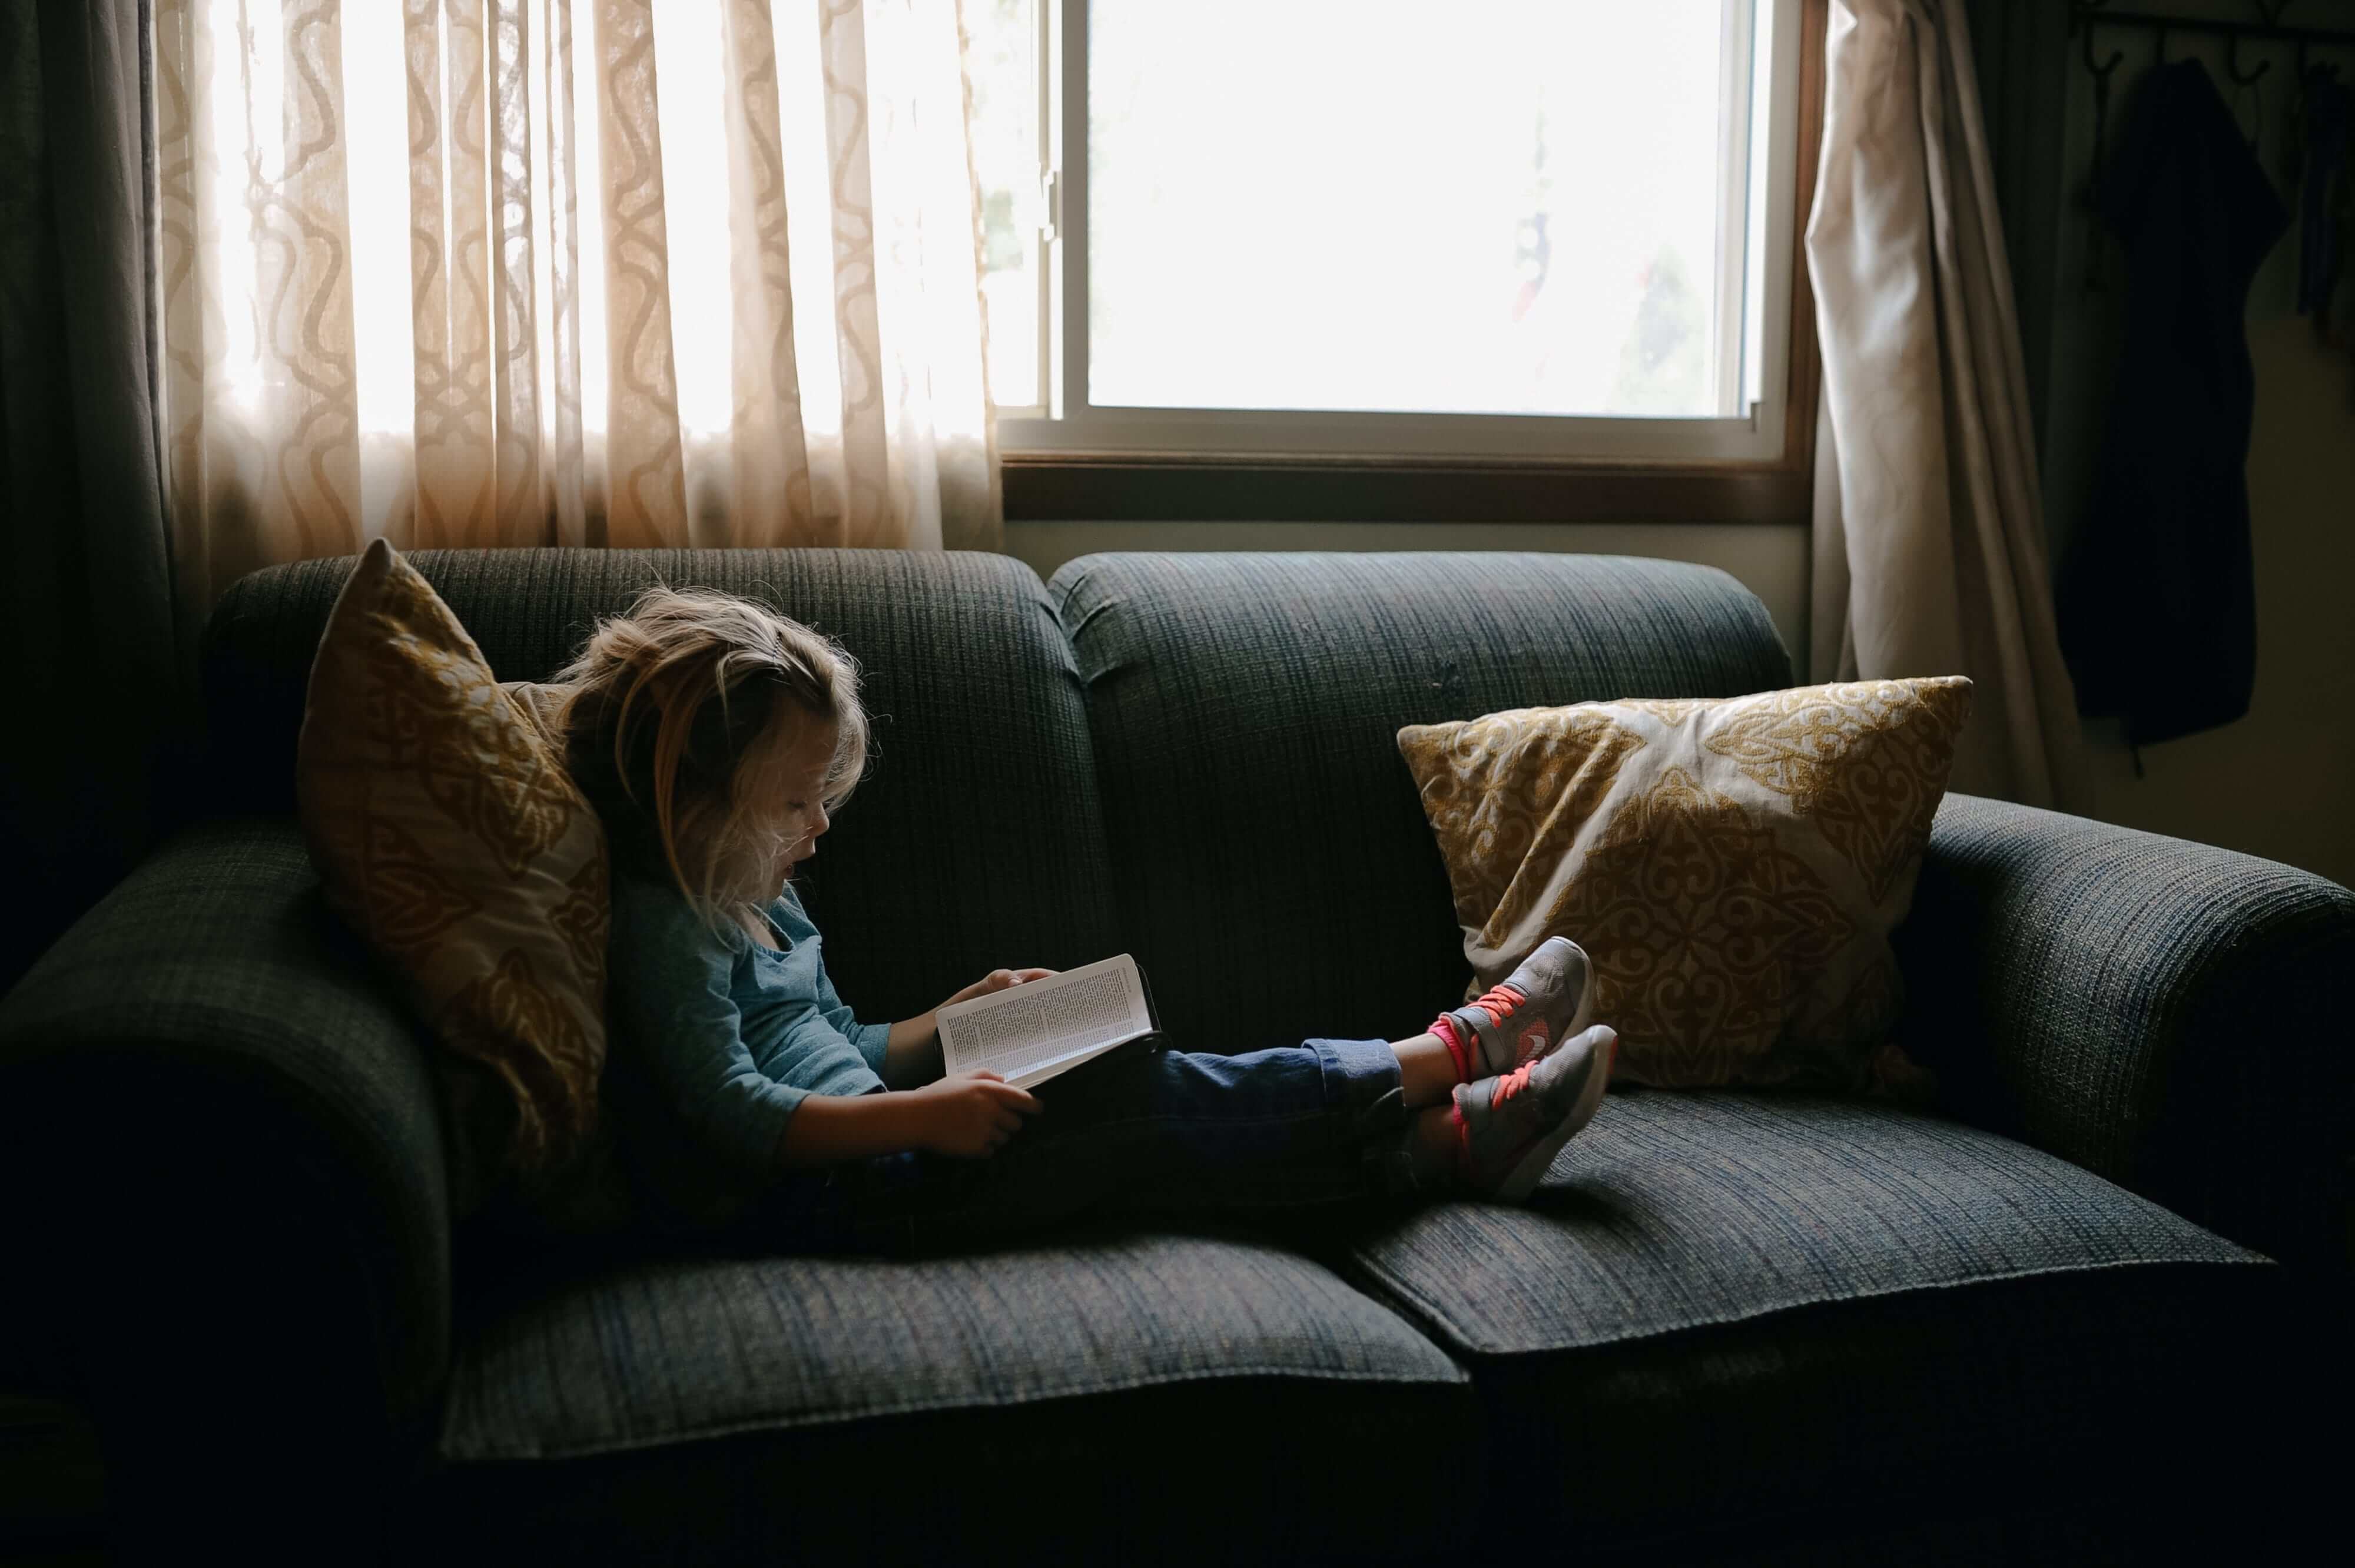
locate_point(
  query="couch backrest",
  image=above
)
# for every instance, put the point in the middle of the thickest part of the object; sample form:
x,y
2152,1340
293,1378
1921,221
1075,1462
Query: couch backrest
x,y
977,839
1274,869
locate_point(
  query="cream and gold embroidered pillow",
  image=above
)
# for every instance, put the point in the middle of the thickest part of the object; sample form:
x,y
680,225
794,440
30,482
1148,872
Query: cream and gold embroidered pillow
x,y
446,829
1734,868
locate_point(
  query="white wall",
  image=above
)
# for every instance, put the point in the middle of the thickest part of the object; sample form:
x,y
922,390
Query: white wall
x,y
1770,561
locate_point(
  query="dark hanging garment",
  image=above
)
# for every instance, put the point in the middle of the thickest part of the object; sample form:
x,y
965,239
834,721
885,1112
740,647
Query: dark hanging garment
x,y
2157,593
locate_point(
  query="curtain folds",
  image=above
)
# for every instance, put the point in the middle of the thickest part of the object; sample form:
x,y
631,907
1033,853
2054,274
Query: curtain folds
x,y
1930,554
97,708
485,272
2022,61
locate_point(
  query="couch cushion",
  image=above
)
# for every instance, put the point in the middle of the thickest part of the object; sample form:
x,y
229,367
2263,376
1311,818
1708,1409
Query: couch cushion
x,y
980,794
870,1403
1272,858
1752,1305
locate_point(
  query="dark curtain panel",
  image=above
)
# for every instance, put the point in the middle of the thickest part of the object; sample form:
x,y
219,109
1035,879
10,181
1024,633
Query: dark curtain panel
x,y
2021,49
97,705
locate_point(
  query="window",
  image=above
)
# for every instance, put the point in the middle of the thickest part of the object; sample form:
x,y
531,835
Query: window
x,y
1519,228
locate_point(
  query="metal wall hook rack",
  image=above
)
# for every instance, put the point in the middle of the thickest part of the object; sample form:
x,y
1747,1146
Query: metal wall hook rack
x,y
2265,27
2100,72
2233,63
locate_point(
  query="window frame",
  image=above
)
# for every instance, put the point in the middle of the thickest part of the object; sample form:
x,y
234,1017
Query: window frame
x,y
1214,465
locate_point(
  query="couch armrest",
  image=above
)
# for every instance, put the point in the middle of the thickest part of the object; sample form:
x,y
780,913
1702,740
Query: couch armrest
x,y
221,1167
2171,1016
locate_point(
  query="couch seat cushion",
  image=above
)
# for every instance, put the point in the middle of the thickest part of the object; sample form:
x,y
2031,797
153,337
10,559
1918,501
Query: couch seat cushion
x,y
1041,1388
1674,1210
1728,1308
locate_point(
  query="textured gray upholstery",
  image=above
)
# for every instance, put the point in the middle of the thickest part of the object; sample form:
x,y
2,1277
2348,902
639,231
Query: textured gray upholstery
x,y
1275,870
1727,1310
1673,1212
689,1347
856,1382
223,1162
2171,1014
218,960
2148,1402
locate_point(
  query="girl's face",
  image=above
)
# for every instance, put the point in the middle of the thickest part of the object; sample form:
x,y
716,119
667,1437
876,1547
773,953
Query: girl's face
x,y
790,790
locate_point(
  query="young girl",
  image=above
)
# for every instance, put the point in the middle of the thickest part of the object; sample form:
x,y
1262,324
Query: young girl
x,y
717,738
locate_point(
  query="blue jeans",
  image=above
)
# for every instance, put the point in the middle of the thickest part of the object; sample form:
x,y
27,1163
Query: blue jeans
x,y
1137,1132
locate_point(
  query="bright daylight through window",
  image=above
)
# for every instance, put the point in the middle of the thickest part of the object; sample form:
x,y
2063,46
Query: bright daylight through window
x,y
1511,226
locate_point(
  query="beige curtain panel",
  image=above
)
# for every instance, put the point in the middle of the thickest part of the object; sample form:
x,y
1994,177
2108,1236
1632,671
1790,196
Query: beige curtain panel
x,y
482,272
1929,533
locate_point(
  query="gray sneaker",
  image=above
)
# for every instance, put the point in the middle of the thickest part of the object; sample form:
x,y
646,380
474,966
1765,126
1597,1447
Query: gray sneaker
x,y
1510,1126
1545,1001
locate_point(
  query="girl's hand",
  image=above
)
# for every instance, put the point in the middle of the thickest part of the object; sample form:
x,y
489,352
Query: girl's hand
x,y
971,1115
912,1056
997,980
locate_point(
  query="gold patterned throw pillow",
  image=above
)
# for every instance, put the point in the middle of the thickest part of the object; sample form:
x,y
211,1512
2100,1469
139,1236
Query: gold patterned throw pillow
x,y
1734,868
446,830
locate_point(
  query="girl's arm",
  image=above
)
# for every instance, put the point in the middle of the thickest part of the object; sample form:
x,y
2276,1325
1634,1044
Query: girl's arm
x,y
668,995
969,1115
912,1055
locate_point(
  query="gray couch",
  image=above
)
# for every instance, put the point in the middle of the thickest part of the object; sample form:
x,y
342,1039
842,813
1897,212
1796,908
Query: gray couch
x,y
2078,1315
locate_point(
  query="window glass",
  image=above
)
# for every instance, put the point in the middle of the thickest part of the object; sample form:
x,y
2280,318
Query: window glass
x,y
1500,207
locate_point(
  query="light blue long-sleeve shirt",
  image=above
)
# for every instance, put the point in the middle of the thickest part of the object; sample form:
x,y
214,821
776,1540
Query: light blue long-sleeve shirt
x,y
730,1036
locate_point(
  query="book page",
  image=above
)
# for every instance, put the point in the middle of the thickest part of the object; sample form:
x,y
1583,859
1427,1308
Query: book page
x,y
1029,1033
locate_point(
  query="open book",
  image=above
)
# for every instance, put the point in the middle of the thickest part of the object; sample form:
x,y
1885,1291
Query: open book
x,y
1028,1033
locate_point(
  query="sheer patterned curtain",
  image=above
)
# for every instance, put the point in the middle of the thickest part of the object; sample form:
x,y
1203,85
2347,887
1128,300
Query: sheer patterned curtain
x,y
1929,530
629,272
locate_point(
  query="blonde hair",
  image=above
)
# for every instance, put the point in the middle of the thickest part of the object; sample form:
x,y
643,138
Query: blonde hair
x,y
667,707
